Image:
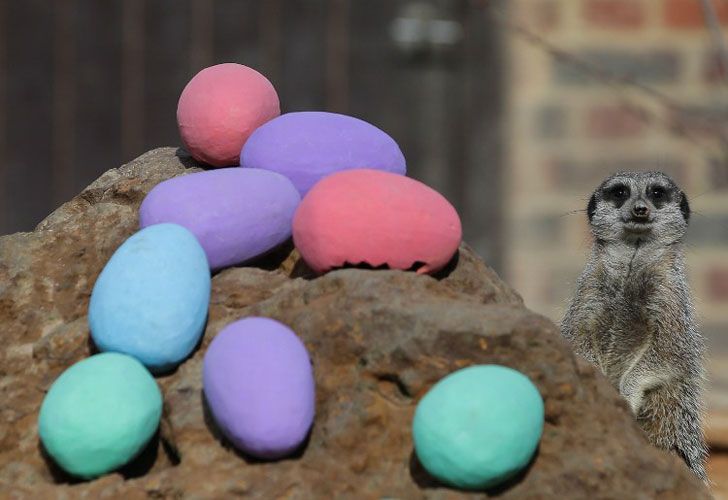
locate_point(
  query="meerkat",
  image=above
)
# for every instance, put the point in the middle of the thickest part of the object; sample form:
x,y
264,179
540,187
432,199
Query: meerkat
x,y
632,314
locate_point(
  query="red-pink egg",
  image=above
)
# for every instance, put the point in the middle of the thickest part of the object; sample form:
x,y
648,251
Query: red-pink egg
x,y
366,216
219,109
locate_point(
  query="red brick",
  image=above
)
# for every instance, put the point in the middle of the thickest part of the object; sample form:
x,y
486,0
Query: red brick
x,y
715,70
718,284
613,122
548,15
718,173
653,65
708,119
689,13
540,15
551,121
566,172
615,14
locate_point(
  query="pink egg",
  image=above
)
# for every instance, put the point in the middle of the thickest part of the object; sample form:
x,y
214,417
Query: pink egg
x,y
366,216
219,109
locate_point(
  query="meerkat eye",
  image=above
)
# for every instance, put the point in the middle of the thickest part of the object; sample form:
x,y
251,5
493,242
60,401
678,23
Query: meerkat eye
x,y
657,193
619,192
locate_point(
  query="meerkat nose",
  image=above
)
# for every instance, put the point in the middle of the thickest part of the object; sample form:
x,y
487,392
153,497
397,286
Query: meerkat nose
x,y
640,210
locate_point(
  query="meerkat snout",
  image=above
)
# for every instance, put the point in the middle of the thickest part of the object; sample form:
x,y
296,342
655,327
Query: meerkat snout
x,y
640,210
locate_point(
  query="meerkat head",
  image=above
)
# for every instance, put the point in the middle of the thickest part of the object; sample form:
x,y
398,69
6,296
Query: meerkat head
x,y
638,207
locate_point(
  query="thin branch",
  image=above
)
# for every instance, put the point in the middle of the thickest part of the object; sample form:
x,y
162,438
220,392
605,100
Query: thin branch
x,y
711,19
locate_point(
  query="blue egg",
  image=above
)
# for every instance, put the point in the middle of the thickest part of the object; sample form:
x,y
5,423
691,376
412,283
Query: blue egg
x,y
151,299
478,426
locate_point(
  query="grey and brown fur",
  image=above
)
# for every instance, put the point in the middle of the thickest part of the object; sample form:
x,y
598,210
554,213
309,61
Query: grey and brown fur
x,y
632,315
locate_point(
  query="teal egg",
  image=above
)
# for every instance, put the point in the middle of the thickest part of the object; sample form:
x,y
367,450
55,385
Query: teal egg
x,y
478,426
99,414
151,299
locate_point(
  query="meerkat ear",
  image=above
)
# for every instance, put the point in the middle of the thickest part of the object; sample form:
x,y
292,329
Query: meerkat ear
x,y
684,206
592,206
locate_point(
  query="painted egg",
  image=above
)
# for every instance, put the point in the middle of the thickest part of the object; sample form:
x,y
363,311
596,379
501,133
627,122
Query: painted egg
x,y
150,300
307,146
478,426
219,109
259,386
235,213
377,218
99,414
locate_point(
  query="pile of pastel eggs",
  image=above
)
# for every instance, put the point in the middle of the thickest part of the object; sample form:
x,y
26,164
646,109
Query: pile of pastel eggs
x,y
337,186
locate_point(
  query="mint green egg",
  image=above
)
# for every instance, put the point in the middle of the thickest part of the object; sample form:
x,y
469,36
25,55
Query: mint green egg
x,y
478,426
99,414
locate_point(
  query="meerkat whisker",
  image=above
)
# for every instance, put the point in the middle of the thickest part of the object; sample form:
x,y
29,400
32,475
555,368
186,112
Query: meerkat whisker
x,y
572,212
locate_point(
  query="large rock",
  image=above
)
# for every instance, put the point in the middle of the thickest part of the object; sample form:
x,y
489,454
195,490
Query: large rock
x,y
378,341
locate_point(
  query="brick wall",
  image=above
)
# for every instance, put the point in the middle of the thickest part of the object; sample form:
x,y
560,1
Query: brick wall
x,y
597,86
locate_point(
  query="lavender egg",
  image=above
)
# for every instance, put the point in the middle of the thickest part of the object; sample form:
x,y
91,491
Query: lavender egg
x,y
307,146
235,213
259,386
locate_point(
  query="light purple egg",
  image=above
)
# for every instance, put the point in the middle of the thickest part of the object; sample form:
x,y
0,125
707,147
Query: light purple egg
x,y
307,146
259,386
235,213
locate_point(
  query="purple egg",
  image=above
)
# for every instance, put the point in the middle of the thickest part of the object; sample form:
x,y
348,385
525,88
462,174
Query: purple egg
x,y
307,146
235,213
259,386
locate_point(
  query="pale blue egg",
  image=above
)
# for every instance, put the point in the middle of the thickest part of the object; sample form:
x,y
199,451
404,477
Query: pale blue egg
x,y
478,426
151,299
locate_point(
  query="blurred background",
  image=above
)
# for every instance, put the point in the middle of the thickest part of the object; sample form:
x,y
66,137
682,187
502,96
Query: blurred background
x,y
514,110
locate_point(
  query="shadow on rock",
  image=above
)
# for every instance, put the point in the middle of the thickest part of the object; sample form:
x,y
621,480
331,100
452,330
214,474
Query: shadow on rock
x,y
59,475
420,476
274,258
449,267
186,159
424,480
92,347
143,462
138,467
283,257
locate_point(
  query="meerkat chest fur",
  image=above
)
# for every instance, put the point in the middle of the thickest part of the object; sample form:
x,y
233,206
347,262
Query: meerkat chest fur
x,y
631,284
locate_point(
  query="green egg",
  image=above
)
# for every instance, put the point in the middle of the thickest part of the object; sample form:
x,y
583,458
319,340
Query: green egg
x,y
479,426
99,414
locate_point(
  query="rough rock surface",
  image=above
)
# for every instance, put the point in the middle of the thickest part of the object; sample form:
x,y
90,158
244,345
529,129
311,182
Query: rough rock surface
x,y
378,340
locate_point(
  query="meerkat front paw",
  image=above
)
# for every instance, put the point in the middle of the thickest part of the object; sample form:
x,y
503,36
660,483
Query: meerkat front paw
x,y
635,384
